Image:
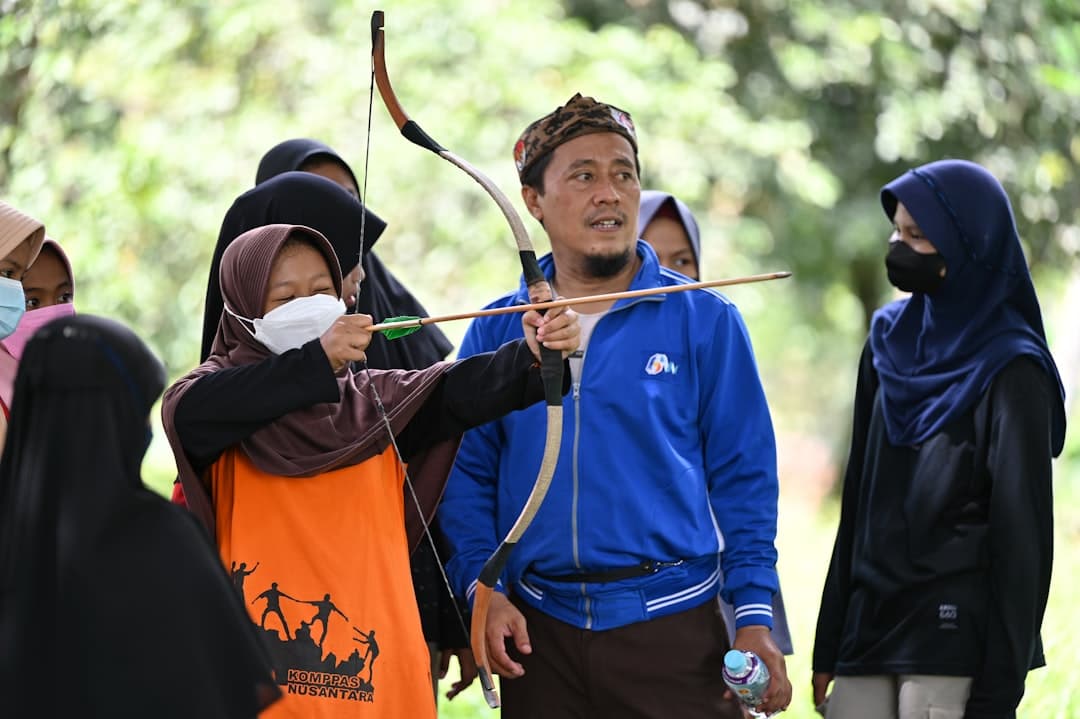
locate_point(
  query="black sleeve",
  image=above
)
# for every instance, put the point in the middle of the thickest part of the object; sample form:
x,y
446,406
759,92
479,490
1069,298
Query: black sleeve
x,y
834,596
1023,399
477,390
223,408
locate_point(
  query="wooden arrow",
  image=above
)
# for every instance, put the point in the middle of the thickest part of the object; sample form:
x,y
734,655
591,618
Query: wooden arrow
x,y
395,327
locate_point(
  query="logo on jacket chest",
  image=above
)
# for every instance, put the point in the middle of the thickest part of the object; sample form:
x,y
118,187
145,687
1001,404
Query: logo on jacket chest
x,y
948,614
659,363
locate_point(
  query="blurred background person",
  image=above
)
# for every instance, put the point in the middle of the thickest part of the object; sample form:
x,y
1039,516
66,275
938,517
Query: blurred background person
x,y
49,288
668,225
670,228
381,293
21,237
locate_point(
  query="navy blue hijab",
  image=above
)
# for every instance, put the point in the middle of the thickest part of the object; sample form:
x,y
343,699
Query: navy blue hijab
x,y
936,355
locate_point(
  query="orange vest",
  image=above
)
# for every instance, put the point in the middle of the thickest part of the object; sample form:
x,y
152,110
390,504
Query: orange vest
x,y
323,566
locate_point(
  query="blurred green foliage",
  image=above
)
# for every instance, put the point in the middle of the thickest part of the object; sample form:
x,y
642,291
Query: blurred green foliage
x,y
129,127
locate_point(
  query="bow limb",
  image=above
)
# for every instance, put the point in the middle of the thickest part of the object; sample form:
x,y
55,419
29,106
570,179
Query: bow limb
x,y
551,363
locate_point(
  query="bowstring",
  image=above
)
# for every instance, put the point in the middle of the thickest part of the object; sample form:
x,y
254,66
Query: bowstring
x,y
416,500
375,397
363,190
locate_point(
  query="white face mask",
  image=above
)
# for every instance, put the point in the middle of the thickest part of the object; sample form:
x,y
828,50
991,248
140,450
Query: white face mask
x,y
295,323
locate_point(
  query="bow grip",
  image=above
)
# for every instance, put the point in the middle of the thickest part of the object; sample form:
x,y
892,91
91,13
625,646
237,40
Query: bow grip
x,y
551,362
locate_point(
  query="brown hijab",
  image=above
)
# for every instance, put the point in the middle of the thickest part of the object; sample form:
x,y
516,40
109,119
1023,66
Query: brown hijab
x,y
323,437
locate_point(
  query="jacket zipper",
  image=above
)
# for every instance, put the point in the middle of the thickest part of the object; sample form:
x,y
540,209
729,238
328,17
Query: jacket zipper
x,y
574,472
577,437
574,499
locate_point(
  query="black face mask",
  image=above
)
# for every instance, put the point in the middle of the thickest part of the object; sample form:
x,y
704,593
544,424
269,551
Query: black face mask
x,y
912,271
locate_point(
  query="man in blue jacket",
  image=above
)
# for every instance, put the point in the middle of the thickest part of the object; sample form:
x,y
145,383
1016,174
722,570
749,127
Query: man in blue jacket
x,y
667,470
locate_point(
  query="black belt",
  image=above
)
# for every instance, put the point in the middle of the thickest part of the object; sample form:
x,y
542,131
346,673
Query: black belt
x,y
643,569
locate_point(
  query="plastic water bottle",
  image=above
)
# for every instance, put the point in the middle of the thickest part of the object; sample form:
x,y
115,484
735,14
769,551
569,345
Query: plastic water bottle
x,y
747,676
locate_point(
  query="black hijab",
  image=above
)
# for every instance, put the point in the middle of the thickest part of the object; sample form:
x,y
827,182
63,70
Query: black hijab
x,y
382,295
297,154
100,579
294,198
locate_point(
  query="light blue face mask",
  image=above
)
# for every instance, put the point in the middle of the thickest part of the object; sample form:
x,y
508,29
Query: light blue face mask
x,y
12,305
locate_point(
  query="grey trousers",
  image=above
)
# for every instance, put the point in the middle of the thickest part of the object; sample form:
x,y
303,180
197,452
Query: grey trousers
x,y
898,696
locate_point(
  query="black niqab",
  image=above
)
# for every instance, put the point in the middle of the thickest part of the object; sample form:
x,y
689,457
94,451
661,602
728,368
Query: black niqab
x,y
112,602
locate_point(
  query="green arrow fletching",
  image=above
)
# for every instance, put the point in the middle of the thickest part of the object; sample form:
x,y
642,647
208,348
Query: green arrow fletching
x,y
399,332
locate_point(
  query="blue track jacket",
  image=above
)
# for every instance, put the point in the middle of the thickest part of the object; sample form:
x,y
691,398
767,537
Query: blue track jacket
x,y
668,455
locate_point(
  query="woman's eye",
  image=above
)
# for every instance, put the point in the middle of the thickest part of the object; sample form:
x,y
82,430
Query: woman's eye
x,y
32,303
66,298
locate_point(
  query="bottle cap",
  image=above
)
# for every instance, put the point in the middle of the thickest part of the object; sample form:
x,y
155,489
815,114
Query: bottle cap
x,y
735,661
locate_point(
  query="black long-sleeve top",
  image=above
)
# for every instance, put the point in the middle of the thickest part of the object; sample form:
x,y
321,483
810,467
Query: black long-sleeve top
x,y
943,554
221,409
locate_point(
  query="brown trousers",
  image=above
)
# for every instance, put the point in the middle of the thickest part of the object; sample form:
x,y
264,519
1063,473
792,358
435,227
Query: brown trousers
x,y
660,669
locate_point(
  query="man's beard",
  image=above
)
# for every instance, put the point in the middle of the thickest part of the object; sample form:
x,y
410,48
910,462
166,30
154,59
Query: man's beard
x,y
605,266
